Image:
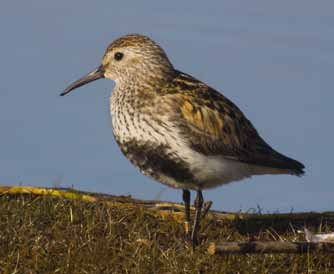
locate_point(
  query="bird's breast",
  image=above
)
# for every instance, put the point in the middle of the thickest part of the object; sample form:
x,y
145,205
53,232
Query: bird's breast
x,y
133,118
149,142
153,144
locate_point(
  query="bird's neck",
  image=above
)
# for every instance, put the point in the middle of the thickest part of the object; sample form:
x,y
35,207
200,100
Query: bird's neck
x,y
144,84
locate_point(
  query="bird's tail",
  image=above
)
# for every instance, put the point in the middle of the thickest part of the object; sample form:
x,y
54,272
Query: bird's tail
x,y
293,166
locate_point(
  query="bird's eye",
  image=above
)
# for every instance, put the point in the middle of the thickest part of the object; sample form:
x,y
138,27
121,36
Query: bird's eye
x,y
118,56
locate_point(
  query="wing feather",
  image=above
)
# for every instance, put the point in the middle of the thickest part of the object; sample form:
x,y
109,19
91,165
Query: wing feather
x,y
213,125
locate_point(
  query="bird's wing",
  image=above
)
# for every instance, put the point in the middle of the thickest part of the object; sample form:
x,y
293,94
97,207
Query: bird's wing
x,y
213,125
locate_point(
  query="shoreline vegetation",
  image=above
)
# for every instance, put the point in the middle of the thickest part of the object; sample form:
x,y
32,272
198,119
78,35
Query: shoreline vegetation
x,y
58,230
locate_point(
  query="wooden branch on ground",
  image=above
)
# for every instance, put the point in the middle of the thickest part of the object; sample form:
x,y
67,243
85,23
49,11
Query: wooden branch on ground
x,y
269,247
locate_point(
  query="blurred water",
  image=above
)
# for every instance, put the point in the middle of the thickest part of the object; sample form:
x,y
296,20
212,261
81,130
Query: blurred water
x,y
273,59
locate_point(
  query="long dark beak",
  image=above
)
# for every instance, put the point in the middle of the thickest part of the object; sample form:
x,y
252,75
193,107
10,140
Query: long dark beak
x,y
94,75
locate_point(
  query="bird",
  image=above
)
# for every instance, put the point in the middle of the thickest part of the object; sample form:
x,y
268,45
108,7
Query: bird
x,y
178,130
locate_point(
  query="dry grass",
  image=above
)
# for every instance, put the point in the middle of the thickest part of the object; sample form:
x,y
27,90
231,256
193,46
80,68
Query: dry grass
x,y
43,234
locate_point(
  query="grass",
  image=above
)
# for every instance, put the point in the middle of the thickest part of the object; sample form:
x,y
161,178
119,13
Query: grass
x,y
44,234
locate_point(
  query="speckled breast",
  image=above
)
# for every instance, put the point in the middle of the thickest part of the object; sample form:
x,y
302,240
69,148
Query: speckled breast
x,y
149,144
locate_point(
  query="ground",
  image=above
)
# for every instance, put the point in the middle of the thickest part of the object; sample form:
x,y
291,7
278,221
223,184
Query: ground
x,y
45,234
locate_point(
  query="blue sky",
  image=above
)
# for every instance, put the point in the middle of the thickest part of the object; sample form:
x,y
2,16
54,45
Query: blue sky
x,y
273,59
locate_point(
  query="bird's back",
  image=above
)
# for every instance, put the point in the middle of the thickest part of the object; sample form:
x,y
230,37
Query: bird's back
x,y
214,126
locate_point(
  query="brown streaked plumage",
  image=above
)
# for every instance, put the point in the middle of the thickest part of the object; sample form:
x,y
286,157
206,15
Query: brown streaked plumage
x,y
177,129
216,126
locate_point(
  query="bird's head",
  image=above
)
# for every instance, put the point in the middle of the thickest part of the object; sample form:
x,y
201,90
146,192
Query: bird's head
x,y
129,58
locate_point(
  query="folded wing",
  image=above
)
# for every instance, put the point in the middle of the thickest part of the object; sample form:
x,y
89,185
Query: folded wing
x,y
213,125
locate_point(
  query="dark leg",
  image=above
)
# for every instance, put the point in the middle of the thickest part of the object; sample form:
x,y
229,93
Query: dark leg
x,y
206,207
186,200
198,206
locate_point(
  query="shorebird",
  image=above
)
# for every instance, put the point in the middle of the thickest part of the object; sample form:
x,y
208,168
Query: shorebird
x,y
178,130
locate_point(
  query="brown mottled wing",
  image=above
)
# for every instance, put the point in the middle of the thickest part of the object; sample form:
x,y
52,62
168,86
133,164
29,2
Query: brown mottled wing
x,y
213,125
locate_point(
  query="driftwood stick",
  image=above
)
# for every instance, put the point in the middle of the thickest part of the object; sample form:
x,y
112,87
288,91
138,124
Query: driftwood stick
x,y
268,247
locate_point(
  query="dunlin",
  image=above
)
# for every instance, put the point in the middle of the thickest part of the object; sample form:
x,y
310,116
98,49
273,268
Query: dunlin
x,y
178,130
